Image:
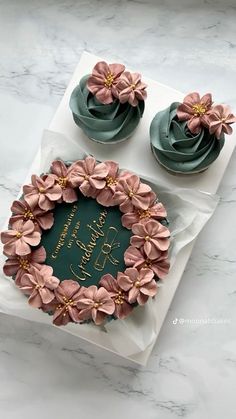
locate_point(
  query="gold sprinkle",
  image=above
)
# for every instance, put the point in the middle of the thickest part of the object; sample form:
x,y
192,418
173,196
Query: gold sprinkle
x,y
144,214
110,181
199,109
96,305
137,284
62,182
147,238
109,80
28,215
18,234
130,194
41,190
24,264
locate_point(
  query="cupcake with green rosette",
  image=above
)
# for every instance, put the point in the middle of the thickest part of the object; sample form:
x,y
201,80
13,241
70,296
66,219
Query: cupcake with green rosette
x,y
108,104
187,137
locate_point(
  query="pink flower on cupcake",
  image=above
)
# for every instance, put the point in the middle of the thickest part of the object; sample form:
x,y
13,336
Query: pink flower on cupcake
x,y
63,174
89,176
19,265
67,294
152,236
154,211
131,89
42,192
195,110
39,285
120,297
95,304
130,193
140,285
136,258
18,240
220,119
103,80
22,211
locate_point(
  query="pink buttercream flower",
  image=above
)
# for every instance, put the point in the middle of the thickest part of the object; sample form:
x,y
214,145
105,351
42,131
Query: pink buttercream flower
x,y
131,89
42,192
63,174
19,265
219,119
139,284
195,110
22,211
119,296
105,196
39,285
67,294
18,240
130,193
155,211
103,80
152,236
95,304
89,176
137,259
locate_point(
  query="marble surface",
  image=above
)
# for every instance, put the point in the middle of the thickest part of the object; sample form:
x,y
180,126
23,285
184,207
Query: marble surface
x,y
191,373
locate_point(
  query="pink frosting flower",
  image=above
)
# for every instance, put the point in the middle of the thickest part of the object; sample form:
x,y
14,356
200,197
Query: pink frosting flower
x,y
22,211
18,240
131,89
19,265
39,285
63,174
130,193
67,294
42,192
219,119
102,83
195,110
96,304
105,196
137,259
119,296
156,211
89,176
152,236
139,284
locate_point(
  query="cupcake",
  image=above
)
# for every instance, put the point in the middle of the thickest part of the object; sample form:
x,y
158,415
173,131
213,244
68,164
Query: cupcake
x,y
108,104
187,137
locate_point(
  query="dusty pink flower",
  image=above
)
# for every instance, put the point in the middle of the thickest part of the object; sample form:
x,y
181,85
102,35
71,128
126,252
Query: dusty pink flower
x,y
39,285
131,89
130,193
195,110
95,304
139,284
105,195
67,294
63,174
103,80
19,265
89,176
137,259
119,296
42,192
155,211
219,119
22,211
152,236
18,240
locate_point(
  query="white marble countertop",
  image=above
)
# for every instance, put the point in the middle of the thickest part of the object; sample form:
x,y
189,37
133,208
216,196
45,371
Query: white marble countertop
x,y
188,45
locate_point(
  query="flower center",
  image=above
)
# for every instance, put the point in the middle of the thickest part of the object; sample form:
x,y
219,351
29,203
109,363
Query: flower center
x,y
24,264
96,304
137,284
28,215
133,86
109,80
199,109
130,194
223,119
110,181
147,238
144,214
41,190
18,234
148,263
86,177
62,182
66,305
119,298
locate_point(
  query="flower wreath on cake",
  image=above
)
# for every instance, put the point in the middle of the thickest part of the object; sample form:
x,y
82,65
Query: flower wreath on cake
x,y
87,242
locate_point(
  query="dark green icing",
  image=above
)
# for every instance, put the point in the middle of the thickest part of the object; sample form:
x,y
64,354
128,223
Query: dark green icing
x,y
103,123
103,258
176,148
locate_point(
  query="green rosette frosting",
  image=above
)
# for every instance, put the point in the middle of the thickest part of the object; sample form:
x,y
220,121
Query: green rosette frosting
x,y
103,123
177,149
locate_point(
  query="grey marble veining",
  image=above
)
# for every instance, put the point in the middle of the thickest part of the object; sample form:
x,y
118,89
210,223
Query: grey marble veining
x,y
188,45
